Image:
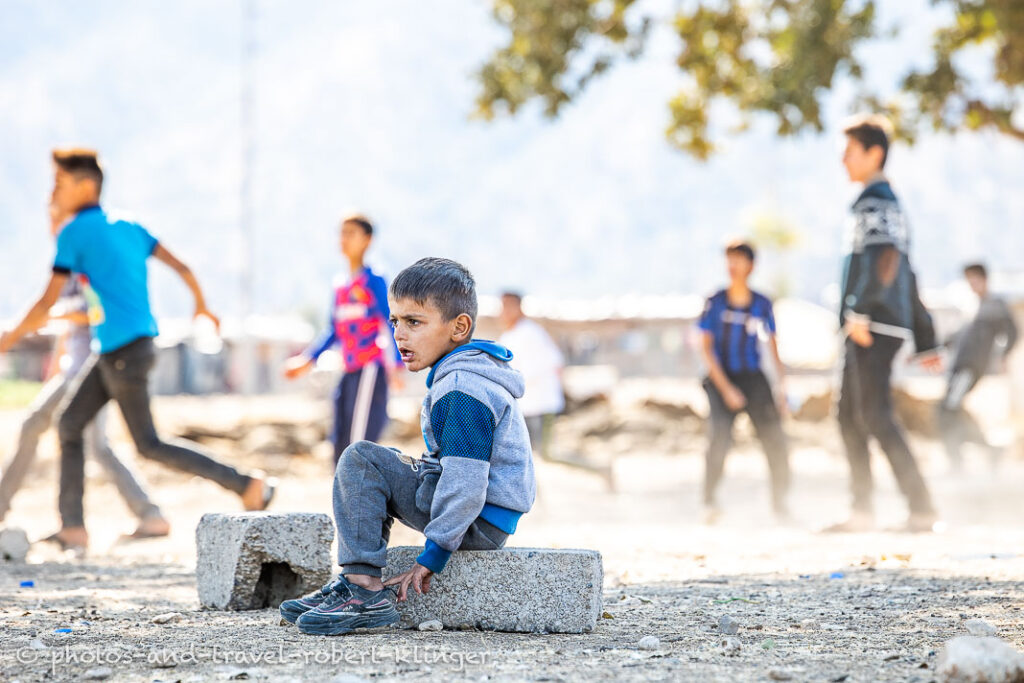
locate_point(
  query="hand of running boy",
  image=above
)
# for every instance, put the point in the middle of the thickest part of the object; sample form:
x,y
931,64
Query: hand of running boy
x,y
396,379
297,366
204,311
418,577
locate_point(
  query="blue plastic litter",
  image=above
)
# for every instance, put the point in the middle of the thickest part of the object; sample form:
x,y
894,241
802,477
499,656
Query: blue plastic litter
x,y
62,630
27,584
837,575
805,576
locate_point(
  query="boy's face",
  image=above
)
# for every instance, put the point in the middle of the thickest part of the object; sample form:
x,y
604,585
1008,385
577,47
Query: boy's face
x,y
354,240
422,334
861,164
56,219
739,267
511,312
70,194
978,283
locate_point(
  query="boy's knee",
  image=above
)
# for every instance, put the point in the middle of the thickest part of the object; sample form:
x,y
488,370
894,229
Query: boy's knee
x,y
69,427
879,422
35,424
354,457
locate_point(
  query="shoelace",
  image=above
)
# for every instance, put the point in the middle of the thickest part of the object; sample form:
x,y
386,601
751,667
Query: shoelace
x,y
336,596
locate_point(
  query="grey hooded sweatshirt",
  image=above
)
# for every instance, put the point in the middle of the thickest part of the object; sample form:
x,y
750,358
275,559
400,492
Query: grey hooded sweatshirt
x,y
478,462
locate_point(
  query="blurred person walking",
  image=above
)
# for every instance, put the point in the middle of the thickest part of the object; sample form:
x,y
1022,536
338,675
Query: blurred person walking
x,y
359,324
113,253
71,352
540,361
973,349
734,321
880,309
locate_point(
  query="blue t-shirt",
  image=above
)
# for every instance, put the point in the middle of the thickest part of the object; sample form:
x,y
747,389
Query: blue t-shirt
x,y
736,329
112,254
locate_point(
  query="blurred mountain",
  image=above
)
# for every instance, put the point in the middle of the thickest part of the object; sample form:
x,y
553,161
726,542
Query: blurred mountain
x,y
366,105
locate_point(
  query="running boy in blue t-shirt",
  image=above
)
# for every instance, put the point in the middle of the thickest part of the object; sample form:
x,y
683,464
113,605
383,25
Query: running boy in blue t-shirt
x,y
114,253
732,325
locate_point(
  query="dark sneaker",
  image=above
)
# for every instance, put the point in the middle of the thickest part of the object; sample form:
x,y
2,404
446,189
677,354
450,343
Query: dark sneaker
x,y
349,608
293,609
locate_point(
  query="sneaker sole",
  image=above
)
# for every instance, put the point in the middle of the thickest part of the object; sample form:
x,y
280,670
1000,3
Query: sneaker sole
x,y
340,627
292,615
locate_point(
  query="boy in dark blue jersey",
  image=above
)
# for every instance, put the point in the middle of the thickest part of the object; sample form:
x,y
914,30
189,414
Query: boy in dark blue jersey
x,y
733,322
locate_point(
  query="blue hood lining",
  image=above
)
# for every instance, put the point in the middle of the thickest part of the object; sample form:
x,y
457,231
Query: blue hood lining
x,y
491,348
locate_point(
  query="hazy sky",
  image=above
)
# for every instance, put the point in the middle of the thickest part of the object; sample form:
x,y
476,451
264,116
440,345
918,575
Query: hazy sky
x,y
366,105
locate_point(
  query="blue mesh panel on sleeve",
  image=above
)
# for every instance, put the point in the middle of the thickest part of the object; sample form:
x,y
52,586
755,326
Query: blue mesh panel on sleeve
x,y
462,426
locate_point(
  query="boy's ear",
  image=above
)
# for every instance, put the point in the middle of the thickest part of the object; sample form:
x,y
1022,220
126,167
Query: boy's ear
x,y
462,327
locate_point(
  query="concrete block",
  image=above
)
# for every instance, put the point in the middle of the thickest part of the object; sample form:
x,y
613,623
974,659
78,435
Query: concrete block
x,y
525,590
255,560
13,544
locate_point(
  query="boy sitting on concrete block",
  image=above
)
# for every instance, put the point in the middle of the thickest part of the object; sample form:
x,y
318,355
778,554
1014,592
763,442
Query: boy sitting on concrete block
x,y
470,488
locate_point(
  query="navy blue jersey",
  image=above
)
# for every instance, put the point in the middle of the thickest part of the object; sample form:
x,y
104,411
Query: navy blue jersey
x,y
736,330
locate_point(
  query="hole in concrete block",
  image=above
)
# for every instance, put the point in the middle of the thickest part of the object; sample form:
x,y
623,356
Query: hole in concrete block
x,y
276,584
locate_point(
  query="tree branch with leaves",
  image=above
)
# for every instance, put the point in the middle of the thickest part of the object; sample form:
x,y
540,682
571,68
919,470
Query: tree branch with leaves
x,y
775,58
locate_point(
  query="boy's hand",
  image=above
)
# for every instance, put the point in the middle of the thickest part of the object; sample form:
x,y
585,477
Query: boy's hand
x,y
204,311
396,379
734,399
932,362
860,333
418,576
297,366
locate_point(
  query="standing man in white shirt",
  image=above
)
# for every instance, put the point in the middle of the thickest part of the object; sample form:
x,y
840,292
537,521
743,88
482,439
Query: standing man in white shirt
x,y
539,359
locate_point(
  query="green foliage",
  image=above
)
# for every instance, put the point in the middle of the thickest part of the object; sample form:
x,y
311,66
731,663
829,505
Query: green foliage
x,y
555,47
946,97
764,57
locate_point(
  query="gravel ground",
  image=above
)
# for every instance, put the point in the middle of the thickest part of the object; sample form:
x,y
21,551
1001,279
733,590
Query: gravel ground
x,y
869,625
807,606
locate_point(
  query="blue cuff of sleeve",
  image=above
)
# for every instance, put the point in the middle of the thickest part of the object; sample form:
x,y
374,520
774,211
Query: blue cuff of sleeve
x,y
433,557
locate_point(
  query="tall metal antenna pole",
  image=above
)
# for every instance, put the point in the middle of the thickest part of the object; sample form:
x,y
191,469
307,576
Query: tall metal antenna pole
x,y
246,213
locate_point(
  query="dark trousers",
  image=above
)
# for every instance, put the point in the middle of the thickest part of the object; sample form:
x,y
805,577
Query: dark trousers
x,y
123,375
767,423
866,410
360,407
956,424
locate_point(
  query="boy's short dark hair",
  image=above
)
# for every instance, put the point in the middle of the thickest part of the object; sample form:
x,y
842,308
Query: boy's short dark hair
x,y
360,220
445,283
741,247
870,131
978,269
81,163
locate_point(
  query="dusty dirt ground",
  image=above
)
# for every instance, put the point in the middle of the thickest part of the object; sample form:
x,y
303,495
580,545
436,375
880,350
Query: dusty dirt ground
x,y
810,607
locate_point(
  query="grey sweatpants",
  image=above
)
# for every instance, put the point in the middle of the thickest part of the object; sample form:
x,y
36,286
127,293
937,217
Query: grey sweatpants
x,y
372,488
40,417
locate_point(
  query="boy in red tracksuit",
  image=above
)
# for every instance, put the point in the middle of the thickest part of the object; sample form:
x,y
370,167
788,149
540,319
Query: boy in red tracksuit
x,y
359,325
